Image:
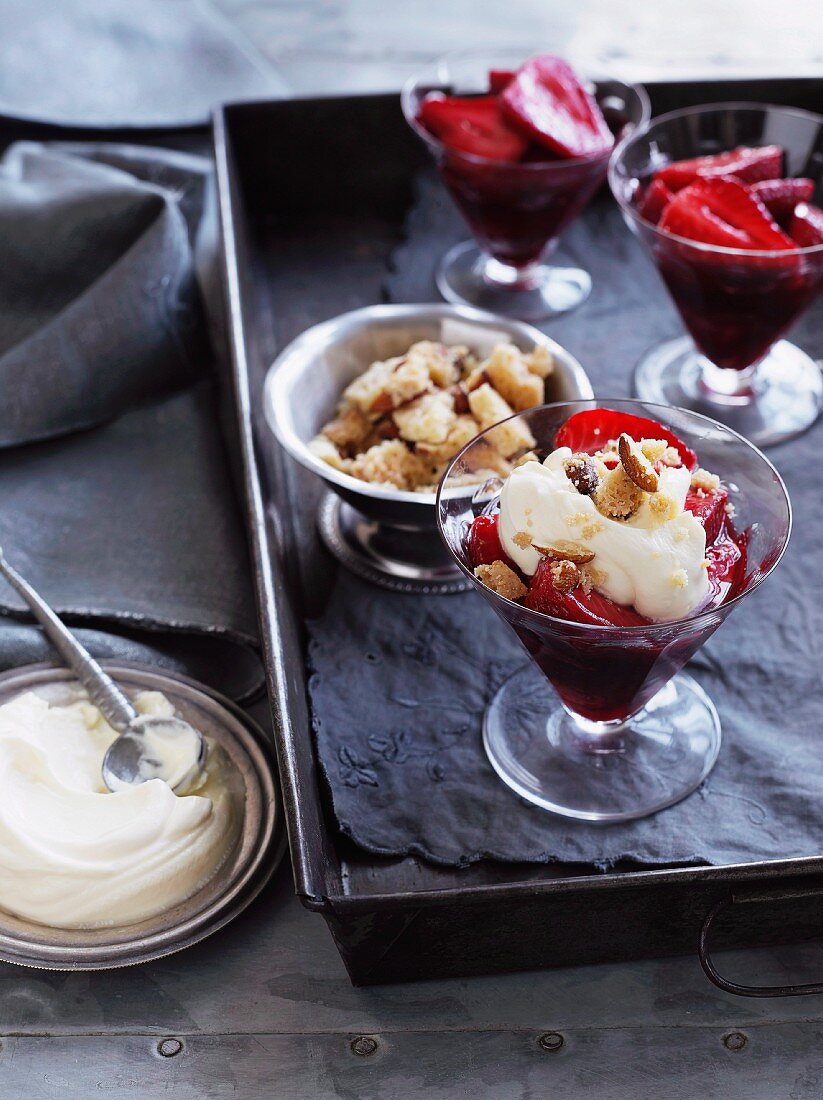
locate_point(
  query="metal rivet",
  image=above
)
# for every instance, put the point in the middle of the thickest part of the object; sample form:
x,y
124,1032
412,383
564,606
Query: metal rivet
x,y
735,1040
363,1046
551,1041
167,1048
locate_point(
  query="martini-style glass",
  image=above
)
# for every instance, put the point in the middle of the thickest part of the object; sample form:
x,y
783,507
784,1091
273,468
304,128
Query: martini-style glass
x,y
516,210
736,304
602,724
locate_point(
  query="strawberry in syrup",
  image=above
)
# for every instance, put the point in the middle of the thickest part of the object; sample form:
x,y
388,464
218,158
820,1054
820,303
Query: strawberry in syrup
x,y
722,211
745,164
590,430
547,100
475,126
806,226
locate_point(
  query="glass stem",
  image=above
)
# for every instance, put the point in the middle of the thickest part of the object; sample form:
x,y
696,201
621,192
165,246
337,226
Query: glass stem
x,y
598,737
730,387
509,276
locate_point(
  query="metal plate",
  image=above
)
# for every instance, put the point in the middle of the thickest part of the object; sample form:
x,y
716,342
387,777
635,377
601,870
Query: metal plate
x,y
251,864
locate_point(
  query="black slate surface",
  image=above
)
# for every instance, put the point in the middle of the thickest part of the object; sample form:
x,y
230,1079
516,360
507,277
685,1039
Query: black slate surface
x,y
399,683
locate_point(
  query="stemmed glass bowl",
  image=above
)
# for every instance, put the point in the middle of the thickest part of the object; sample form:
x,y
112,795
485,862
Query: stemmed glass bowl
x,y
735,304
516,210
602,724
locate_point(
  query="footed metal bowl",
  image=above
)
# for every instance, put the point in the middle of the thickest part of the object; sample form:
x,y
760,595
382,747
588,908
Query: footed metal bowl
x,y
387,536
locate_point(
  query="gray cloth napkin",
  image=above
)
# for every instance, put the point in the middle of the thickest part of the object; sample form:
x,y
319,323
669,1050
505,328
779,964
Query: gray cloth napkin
x,y
116,499
399,683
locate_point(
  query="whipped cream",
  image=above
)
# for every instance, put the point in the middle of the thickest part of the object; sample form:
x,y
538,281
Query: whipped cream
x,y
656,567
75,855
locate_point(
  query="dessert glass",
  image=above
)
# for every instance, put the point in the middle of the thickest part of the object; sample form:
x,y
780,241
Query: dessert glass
x,y
602,725
735,304
516,210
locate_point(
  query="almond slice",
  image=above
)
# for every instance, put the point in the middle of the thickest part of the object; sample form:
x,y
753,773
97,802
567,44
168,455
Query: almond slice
x,y
567,551
582,473
636,465
565,576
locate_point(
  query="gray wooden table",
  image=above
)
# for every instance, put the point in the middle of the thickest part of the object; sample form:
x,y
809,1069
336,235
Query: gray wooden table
x,y
264,1009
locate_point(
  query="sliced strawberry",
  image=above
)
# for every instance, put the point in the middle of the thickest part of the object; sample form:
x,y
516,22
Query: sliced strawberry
x,y
697,223
748,165
499,79
475,126
484,541
709,507
806,226
590,430
654,201
722,211
576,606
780,197
548,101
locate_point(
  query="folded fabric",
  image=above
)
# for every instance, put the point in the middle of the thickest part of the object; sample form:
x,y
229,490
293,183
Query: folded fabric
x,y
116,499
399,683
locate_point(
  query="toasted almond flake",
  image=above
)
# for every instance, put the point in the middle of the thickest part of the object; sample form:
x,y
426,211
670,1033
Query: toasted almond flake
x,y
637,466
567,551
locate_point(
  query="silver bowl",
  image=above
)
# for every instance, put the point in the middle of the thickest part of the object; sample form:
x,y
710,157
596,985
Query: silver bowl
x,y
249,866
387,536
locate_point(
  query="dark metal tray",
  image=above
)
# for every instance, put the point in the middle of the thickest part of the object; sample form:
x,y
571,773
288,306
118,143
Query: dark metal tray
x,y
313,195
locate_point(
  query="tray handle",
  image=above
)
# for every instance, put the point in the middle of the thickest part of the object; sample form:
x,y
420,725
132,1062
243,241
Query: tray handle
x,y
749,898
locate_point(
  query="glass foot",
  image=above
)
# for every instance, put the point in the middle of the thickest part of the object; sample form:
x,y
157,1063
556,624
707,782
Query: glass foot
x,y
600,772
779,398
468,276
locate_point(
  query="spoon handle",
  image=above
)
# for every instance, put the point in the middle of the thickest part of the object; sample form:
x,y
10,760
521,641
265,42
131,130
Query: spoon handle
x,y
103,691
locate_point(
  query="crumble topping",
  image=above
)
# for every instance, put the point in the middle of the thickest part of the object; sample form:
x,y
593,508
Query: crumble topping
x,y
429,404
680,578
591,529
618,497
577,519
522,539
663,507
702,479
501,579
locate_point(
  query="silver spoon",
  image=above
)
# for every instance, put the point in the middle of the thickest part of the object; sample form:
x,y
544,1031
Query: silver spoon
x,y
148,747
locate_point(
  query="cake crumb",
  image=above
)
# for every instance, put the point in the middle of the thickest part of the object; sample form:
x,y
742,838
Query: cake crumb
x,y
680,578
522,539
703,479
618,497
502,580
663,507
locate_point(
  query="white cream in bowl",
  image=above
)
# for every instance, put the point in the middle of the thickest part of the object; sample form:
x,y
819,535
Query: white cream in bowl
x,y
74,854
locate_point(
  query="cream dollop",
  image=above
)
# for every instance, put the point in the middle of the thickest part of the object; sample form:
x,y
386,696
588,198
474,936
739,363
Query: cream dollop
x,y
656,567
75,855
